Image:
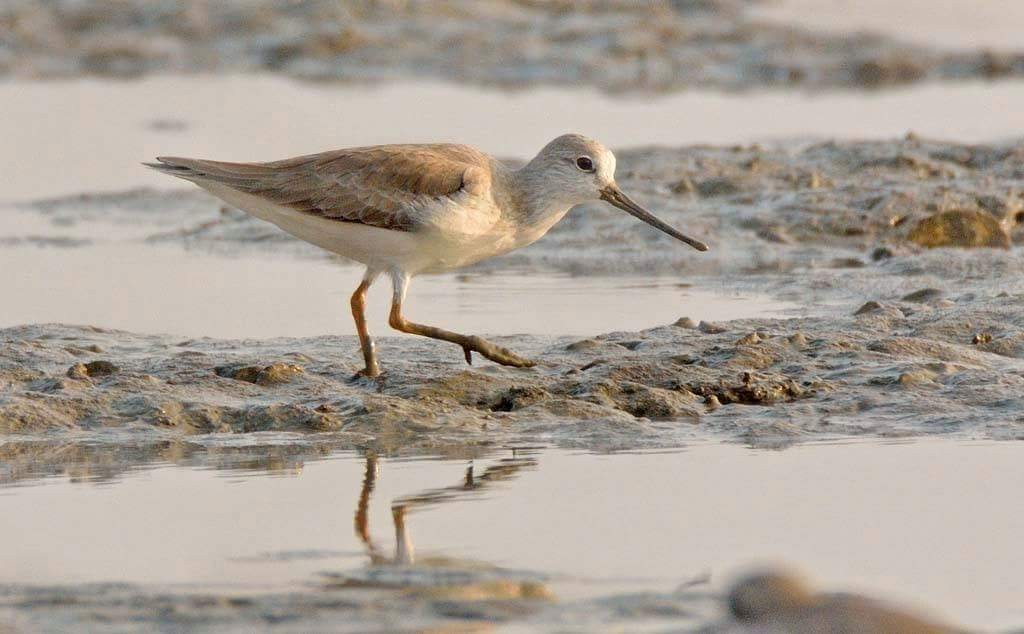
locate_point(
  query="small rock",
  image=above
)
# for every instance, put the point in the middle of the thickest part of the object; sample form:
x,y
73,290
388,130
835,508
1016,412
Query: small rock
x,y
998,207
246,373
798,339
923,295
778,601
684,186
774,234
92,369
994,65
916,377
809,180
712,402
630,345
981,337
711,328
278,373
720,186
890,70
685,322
749,340
78,371
519,397
273,374
960,228
868,307
685,359
881,253
847,263
584,344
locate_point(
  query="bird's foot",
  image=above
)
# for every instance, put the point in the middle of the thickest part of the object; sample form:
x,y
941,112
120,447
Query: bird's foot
x,y
495,353
372,374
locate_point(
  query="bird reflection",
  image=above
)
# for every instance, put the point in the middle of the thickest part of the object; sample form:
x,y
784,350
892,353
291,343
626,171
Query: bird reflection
x,y
470,486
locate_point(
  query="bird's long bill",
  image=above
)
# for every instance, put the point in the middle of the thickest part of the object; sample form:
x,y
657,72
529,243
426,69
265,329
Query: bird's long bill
x,y
614,195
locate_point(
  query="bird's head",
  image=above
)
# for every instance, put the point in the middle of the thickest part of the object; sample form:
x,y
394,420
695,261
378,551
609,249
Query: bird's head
x,y
583,170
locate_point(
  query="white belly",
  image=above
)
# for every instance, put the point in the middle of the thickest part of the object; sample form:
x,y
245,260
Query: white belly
x,y
375,247
457,236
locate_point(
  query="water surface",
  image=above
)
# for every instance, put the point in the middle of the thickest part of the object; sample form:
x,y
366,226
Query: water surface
x,y
931,523
165,289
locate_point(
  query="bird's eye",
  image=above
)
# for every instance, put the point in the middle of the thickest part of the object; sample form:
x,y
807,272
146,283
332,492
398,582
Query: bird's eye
x,y
585,164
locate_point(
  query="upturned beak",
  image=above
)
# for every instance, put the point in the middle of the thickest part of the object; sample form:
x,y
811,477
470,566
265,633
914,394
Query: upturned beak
x,y
614,195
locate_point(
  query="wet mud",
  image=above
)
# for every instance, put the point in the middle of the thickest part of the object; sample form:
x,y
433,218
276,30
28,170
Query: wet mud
x,y
906,246
616,46
899,368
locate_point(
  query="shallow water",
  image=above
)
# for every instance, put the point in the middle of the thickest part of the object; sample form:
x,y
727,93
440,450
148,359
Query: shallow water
x,y
108,275
92,135
584,525
167,290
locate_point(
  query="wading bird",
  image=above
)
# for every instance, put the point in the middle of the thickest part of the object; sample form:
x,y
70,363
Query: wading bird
x,y
409,209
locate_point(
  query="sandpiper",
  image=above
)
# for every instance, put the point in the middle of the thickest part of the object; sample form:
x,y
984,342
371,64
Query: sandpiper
x,y
409,209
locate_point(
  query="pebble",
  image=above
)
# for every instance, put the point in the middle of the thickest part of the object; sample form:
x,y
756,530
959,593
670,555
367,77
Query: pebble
x,y
749,339
92,369
711,328
685,322
923,295
868,307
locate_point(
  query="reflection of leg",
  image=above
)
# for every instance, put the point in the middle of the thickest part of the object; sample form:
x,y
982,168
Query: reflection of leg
x,y
362,509
469,343
404,554
359,315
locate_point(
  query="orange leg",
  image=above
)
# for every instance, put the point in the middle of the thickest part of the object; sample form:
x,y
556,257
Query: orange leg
x,y
469,343
358,302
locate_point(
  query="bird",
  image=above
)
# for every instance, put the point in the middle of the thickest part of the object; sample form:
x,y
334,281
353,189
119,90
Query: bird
x,y
407,209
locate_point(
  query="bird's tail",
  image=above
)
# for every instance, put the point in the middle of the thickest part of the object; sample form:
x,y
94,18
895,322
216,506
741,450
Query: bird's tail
x,y
178,167
238,175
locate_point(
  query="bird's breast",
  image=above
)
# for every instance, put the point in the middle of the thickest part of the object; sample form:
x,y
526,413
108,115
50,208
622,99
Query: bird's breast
x,y
474,232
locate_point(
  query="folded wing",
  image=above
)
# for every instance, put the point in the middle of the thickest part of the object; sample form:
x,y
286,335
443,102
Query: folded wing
x,y
393,187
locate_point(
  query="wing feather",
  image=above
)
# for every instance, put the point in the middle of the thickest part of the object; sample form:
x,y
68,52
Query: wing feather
x,y
386,186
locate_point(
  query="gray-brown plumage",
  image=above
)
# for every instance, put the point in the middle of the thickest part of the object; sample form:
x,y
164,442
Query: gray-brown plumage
x,y
377,186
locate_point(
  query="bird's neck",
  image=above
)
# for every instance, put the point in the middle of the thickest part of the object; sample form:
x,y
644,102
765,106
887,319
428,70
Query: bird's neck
x,y
540,203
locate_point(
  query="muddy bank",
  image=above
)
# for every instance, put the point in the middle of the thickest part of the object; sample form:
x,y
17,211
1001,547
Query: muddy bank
x,y
907,248
927,364
616,46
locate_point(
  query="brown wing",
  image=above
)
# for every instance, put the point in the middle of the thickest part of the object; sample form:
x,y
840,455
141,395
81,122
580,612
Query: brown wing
x,y
387,186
